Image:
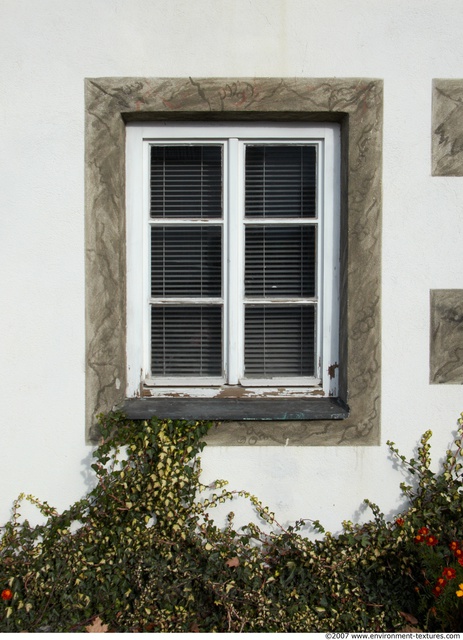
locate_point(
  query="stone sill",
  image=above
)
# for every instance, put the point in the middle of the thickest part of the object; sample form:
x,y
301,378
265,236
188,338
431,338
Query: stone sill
x,y
215,409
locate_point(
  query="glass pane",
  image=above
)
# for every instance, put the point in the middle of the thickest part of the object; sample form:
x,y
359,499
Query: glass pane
x,y
281,181
280,261
279,341
186,341
186,182
186,261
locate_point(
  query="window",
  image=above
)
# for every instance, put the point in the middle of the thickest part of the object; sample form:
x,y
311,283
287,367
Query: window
x,y
114,326
233,259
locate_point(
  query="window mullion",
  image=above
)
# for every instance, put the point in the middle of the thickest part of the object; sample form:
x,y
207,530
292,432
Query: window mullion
x,y
235,262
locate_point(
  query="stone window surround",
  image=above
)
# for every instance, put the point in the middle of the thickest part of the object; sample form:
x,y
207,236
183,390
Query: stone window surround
x,y
447,127
446,336
358,105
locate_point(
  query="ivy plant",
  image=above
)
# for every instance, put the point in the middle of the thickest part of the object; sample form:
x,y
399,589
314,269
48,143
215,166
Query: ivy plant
x,y
142,552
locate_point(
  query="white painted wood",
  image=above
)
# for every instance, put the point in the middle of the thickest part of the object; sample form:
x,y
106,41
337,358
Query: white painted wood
x,y
279,221
185,300
167,222
178,382
191,132
154,390
281,382
234,264
145,257
136,309
328,329
234,137
286,301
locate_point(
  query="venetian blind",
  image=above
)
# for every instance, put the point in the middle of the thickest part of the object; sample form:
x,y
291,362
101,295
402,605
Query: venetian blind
x,y
186,181
280,261
280,181
186,260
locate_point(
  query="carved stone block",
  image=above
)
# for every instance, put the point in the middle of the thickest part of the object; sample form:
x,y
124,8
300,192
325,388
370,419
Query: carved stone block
x,y
446,361
447,128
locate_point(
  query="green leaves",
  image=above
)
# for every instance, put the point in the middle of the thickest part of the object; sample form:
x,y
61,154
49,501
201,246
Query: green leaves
x,y
141,551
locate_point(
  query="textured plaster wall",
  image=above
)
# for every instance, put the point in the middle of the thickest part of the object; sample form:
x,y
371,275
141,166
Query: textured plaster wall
x,y
47,49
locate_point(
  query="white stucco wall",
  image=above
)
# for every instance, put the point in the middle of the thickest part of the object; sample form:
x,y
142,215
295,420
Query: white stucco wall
x,y
47,48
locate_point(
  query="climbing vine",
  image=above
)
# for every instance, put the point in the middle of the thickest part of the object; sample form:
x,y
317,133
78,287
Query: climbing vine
x,y
141,552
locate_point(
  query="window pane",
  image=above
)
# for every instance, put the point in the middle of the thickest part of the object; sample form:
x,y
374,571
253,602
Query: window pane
x,y
279,341
186,261
186,340
280,261
280,181
186,182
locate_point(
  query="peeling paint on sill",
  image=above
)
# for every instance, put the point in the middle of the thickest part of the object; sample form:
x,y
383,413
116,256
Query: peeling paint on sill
x,y
231,392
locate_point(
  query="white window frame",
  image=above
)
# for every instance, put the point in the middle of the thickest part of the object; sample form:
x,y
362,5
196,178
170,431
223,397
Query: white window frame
x,y
139,138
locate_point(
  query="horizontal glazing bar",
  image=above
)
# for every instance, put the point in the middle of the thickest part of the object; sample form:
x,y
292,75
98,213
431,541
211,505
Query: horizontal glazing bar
x,y
185,301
